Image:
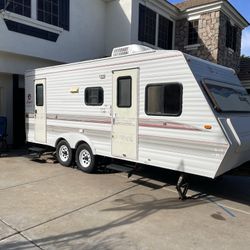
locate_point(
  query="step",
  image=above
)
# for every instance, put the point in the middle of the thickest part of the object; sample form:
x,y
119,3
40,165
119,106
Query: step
x,y
33,156
120,168
37,150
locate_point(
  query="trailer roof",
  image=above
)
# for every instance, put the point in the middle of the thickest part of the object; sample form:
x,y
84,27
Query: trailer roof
x,y
166,53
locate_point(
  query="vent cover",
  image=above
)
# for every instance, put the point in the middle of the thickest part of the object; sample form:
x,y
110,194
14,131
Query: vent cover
x,y
129,50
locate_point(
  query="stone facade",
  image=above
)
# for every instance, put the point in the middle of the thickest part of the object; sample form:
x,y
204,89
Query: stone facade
x,y
211,41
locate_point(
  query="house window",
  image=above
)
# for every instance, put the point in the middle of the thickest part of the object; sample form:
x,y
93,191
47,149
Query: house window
x,y
21,7
94,96
164,99
48,11
55,12
124,92
165,34
148,27
193,32
231,36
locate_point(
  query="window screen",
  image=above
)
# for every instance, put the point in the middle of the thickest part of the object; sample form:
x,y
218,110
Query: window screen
x,y
55,12
231,36
124,95
21,7
48,11
193,32
164,99
94,96
165,34
147,25
39,95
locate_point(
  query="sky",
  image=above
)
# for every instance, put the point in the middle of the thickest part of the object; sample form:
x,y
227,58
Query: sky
x,y
243,6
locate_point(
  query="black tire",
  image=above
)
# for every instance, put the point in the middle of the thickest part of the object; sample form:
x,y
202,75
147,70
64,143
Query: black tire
x,y
85,160
64,153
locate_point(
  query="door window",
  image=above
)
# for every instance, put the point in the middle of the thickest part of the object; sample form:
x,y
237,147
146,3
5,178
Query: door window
x,y
124,92
39,95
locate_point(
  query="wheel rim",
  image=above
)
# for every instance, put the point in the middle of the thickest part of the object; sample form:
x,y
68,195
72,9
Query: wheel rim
x,y
85,158
64,153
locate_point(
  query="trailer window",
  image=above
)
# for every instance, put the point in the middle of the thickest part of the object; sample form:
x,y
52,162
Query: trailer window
x,y
227,98
94,96
39,95
124,94
164,99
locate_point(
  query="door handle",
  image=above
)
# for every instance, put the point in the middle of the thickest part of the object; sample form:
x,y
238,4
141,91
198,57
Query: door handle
x,y
114,118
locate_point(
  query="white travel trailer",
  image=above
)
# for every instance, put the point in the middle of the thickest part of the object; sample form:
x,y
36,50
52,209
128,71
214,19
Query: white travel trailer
x,y
160,108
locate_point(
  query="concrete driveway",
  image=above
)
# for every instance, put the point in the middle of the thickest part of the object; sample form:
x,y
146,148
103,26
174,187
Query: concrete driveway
x,y
47,206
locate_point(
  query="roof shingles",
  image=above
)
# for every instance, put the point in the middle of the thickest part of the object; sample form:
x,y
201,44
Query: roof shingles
x,y
193,3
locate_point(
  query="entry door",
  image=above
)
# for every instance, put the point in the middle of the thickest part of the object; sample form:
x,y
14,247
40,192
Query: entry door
x,y
40,111
125,114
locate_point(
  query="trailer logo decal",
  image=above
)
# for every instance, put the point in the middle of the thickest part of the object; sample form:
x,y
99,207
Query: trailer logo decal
x,y
29,99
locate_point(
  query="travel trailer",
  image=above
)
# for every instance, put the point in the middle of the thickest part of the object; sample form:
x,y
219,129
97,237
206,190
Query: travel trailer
x,y
154,107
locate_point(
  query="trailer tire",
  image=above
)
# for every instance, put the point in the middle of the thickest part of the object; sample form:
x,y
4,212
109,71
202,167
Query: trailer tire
x,y
85,160
64,153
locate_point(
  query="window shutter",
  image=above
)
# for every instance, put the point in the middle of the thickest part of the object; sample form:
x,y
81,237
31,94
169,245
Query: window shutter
x,y
234,38
142,21
170,34
2,4
64,10
229,34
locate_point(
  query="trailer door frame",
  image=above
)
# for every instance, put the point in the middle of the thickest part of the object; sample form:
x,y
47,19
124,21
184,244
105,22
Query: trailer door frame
x,y
40,111
125,114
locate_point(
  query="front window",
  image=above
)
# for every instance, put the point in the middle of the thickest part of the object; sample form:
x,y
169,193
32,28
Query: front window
x,y
193,32
21,7
48,11
54,12
228,98
231,36
165,33
154,28
147,25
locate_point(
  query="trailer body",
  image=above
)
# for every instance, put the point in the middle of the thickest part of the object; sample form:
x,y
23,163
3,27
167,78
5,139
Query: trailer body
x,y
160,108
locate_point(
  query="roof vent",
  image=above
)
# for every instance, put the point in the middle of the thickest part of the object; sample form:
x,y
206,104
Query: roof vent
x,y
129,50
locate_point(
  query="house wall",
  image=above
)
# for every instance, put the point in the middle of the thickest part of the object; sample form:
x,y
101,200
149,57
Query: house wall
x,y
212,40
207,47
17,64
118,24
83,41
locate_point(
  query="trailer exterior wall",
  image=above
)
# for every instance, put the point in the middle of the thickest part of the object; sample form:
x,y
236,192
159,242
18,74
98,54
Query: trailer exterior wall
x,y
179,143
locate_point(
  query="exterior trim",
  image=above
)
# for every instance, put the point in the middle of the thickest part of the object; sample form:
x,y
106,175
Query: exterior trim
x,y
31,31
223,6
31,22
